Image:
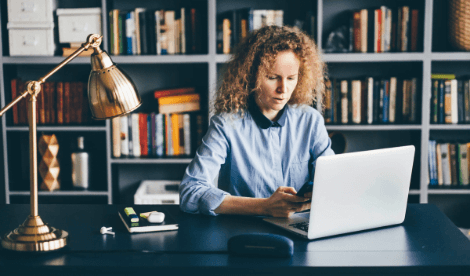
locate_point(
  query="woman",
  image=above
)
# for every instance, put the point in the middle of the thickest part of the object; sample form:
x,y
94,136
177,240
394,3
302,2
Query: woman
x,y
264,137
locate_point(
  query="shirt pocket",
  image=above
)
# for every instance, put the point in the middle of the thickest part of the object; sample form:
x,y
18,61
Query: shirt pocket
x,y
299,174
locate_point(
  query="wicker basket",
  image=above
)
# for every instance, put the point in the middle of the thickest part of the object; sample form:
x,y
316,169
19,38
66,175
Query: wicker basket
x,y
459,24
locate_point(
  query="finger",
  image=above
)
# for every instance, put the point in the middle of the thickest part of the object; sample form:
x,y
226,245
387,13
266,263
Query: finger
x,y
288,190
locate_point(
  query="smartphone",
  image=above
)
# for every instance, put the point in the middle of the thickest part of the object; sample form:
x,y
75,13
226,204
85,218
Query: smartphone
x,y
307,187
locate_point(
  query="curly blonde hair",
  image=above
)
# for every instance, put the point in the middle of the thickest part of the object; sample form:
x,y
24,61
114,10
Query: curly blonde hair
x,y
254,58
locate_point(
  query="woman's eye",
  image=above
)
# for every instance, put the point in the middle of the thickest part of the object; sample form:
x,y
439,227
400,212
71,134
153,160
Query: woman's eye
x,y
272,78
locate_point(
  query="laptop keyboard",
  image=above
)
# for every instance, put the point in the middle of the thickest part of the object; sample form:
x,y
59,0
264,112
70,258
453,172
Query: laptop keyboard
x,y
301,225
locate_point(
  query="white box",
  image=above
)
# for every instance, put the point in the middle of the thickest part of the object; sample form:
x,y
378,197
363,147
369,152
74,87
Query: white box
x,y
76,24
31,10
28,39
157,192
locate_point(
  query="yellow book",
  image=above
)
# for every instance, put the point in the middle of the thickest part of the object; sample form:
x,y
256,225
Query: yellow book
x,y
179,107
178,99
443,76
175,134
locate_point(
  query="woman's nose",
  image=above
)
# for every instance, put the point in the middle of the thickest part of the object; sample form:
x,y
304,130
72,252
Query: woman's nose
x,y
282,86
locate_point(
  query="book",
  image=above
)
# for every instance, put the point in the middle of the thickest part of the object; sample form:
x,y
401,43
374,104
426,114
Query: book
x,y
463,164
187,134
135,127
124,135
144,226
175,135
454,102
440,177
143,139
344,101
116,136
453,164
356,101
60,102
173,92
179,107
67,105
159,134
445,160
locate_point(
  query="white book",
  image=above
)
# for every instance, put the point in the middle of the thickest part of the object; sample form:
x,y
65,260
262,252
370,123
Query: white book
x,y
464,163
344,101
259,18
170,26
454,102
370,100
135,135
445,159
440,178
116,136
388,30
279,18
383,28
270,17
124,135
356,101
177,36
158,32
392,99
187,134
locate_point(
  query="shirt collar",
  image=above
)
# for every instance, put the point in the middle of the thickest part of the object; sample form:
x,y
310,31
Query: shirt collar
x,y
259,117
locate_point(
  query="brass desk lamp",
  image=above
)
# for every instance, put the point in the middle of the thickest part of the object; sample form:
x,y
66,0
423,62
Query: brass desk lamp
x,y
111,93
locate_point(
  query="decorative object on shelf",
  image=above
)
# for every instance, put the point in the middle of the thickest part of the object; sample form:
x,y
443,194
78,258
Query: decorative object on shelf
x,y
111,93
75,25
459,24
80,168
49,167
337,41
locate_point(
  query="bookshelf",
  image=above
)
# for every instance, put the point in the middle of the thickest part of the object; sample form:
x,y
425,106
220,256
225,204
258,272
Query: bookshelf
x,y
119,178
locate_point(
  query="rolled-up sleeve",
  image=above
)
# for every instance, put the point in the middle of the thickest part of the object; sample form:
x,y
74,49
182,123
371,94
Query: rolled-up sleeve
x,y
198,193
321,142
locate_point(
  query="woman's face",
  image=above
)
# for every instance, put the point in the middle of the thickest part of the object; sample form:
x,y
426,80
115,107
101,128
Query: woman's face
x,y
277,86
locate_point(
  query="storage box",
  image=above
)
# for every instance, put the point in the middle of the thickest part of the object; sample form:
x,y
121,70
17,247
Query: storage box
x,y
28,39
76,24
157,192
31,10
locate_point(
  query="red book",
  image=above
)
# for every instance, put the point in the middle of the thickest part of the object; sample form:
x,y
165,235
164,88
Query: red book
x,y
60,102
73,102
67,105
14,94
173,92
143,134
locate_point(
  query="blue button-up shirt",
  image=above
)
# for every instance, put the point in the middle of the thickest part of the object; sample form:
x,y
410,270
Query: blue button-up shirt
x,y
253,156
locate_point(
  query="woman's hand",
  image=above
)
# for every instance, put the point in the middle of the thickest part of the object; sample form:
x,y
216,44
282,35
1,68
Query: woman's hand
x,y
284,202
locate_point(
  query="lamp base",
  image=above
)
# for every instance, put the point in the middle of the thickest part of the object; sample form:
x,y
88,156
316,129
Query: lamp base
x,y
35,236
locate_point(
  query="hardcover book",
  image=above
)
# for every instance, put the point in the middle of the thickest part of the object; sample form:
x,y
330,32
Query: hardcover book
x,y
144,226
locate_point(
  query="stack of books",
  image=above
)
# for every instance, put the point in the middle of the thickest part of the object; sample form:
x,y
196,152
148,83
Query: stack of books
x,y
382,29
371,101
448,164
450,99
58,103
156,32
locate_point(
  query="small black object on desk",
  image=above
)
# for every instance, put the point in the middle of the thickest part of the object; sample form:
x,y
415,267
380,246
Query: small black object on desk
x,y
261,244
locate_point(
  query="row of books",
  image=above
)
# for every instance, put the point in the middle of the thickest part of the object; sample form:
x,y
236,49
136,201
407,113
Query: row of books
x,y
371,101
178,100
448,164
58,103
382,29
450,99
156,134
234,25
156,32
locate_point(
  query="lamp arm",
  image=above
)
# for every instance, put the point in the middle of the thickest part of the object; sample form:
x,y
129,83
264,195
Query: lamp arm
x,y
33,87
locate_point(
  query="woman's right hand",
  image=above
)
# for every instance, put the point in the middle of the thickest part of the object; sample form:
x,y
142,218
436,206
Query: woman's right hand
x,y
284,202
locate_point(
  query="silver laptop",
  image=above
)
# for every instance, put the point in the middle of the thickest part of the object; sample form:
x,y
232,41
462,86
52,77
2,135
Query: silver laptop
x,y
354,192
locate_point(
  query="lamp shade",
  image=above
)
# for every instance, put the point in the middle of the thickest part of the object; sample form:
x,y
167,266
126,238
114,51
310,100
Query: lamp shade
x,y
110,91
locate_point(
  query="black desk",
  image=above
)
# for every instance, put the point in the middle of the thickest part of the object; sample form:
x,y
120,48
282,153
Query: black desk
x,y
427,242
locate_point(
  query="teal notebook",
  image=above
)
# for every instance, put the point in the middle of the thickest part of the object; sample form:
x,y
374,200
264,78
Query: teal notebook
x,y
144,226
